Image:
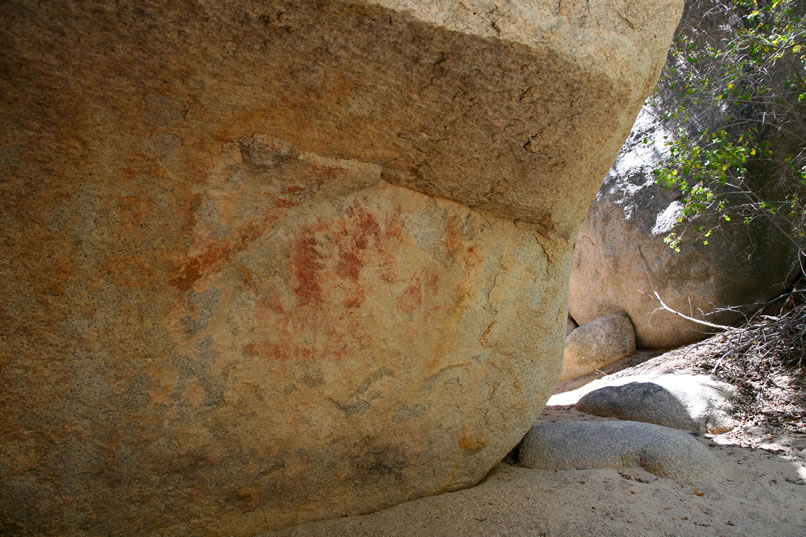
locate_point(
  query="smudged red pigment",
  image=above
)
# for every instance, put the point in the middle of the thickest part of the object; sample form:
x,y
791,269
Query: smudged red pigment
x,y
272,303
366,222
432,282
283,203
306,264
293,196
326,261
472,258
323,173
295,190
356,300
365,228
215,253
349,266
140,164
189,220
360,240
451,239
412,297
394,231
282,351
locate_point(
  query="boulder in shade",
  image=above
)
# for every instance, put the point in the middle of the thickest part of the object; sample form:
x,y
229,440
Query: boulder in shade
x,y
596,344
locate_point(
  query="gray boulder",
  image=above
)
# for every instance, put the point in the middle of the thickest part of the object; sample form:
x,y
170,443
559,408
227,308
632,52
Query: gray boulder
x,y
663,451
597,344
695,403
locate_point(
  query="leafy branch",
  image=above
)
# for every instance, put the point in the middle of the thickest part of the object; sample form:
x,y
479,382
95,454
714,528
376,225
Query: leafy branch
x,y
741,68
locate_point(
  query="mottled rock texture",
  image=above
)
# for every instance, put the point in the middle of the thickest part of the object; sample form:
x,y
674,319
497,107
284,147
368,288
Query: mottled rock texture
x,y
271,262
694,403
663,451
596,344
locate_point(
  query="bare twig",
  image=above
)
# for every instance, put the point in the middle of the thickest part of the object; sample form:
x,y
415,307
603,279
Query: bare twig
x,y
672,310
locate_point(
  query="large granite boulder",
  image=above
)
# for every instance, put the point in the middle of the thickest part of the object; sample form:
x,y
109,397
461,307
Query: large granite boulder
x,y
271,262
631,215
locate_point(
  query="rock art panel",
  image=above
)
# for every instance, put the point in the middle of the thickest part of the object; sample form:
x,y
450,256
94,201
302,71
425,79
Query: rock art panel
x,y
272,262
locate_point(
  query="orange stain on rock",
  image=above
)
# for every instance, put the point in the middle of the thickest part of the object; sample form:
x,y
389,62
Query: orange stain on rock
x,y
194,394
355,300
472,258
62,268
412,297
163,384
282,350
132,271
135,210
471,444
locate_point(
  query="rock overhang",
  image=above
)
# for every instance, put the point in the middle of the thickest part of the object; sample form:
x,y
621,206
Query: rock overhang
x,y
278,261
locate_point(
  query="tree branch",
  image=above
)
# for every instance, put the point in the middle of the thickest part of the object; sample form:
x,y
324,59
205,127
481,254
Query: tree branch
x,y
671,310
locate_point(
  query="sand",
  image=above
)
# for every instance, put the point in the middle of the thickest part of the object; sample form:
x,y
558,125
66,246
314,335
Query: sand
x,y
762,494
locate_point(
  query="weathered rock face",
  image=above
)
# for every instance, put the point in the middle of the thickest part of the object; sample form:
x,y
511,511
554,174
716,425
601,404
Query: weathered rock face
x,y
596,344
745,265
268,262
